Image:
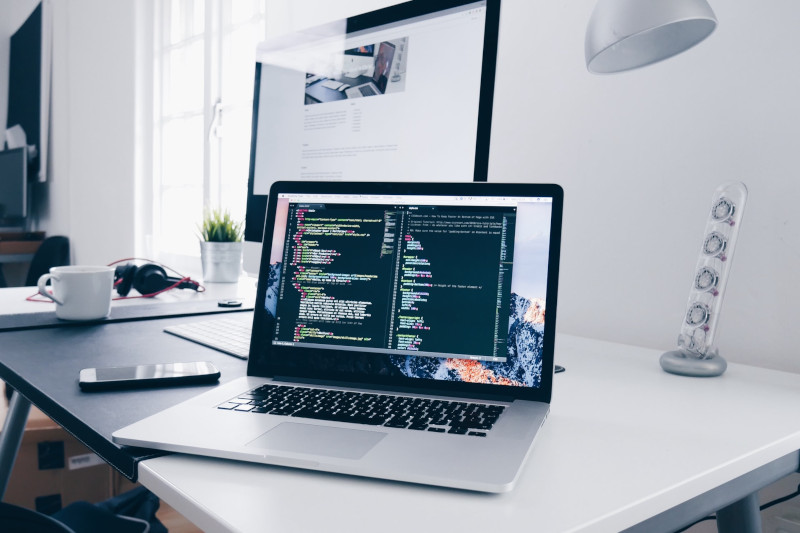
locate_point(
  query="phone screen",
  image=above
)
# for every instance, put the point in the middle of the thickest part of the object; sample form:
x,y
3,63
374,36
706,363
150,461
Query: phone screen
x,y
153,375
156,371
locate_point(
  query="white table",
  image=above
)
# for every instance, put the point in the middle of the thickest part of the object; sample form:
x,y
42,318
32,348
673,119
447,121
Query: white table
x,y
626,446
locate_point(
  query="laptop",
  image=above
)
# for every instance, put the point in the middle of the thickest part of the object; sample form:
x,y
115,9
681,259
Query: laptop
x,y
402,331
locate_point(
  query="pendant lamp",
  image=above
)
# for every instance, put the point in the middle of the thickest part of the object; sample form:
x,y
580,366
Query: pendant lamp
x,y
627,34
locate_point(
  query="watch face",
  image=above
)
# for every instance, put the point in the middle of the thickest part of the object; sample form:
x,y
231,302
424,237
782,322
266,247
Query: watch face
x,y
706,279
723,209
714,244
697,314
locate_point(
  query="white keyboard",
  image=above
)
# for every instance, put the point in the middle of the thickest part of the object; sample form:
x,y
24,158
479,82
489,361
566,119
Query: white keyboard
x,y
229,335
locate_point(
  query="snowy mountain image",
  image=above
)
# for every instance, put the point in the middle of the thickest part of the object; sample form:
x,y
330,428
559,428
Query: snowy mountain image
x,y
271,298
525,337
522,368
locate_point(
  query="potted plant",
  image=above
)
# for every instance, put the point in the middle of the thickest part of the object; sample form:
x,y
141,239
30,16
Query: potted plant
x,y
220,247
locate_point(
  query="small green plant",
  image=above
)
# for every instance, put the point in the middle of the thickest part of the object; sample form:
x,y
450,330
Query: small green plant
x,y
218,226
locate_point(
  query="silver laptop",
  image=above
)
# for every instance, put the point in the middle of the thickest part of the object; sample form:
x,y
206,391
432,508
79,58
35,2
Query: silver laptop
x,y
402,331
365,89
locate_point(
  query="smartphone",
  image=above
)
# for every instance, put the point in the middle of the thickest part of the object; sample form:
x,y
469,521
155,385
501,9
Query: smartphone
x,y
154,375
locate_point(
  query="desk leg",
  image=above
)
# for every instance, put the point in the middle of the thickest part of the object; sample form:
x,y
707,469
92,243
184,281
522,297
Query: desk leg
x,y
11,437
743,516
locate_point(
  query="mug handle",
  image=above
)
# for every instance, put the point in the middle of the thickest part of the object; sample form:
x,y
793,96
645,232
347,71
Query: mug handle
x,y
43,288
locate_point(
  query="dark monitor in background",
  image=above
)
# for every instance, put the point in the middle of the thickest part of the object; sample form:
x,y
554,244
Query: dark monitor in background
x,y
402,93
25,89
13,188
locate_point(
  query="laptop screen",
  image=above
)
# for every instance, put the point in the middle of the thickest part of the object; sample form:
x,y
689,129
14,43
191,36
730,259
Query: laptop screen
x,y
410,286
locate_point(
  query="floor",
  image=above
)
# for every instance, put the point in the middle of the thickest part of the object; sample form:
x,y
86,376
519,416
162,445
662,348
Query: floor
x,y
174,521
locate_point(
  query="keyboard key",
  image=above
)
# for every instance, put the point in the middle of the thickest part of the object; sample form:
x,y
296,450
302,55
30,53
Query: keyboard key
x,y
419,414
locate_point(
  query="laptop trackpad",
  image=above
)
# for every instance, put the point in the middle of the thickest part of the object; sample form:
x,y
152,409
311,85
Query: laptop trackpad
x,y
318,440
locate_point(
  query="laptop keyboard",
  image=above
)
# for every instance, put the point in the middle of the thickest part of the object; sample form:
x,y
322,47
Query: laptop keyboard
x,y
229,335
366,90
421,414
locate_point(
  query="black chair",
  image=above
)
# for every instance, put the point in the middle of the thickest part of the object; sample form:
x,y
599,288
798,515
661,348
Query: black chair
x,y
54,251
14,519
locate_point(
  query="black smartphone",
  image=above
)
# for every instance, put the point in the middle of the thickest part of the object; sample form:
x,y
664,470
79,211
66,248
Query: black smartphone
x,y
154,375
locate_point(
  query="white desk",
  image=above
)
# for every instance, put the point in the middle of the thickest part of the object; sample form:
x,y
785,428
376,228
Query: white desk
x,y
625,443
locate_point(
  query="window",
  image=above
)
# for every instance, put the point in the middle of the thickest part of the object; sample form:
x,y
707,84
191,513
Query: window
x,y
203,77
204,63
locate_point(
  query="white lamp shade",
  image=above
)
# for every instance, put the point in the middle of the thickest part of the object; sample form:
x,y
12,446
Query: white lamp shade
x,y
627,34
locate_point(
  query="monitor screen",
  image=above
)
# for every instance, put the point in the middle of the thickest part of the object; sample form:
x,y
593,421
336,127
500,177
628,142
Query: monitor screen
x,y
403,93
13,186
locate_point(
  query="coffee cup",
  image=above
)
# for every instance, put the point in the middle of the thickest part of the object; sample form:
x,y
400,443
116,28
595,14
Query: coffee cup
x,y
80,292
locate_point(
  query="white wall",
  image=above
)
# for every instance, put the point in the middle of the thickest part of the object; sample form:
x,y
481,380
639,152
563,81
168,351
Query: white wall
x,y
639,155
89,195
93,128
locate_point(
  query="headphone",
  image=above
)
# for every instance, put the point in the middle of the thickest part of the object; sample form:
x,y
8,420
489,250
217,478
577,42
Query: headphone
x,y
149,279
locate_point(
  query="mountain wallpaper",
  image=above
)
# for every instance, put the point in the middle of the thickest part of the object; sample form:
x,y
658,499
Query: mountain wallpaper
x,y
273,281
524,364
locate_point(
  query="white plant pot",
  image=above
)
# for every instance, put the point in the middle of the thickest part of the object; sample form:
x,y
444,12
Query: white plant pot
x,y
222,261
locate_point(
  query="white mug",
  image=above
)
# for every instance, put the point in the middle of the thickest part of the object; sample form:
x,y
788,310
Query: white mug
x,y
80,292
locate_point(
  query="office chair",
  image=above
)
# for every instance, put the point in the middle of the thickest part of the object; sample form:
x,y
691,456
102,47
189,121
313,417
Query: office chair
x,y
15,519
54,251
77,517
85,517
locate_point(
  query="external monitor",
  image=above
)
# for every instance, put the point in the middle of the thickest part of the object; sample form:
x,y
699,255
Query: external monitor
x,y
13,187
402,93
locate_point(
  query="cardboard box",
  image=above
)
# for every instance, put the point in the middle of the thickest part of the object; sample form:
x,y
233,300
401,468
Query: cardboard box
x,y
53,469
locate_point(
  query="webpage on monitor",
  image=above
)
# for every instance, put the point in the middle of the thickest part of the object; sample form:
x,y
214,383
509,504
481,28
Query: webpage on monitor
x,y
418,119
